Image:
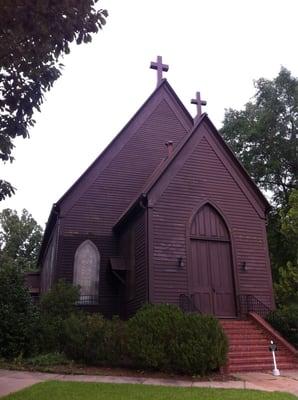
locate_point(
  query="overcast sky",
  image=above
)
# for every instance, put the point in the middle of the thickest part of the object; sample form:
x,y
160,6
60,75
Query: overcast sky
x,y
215,46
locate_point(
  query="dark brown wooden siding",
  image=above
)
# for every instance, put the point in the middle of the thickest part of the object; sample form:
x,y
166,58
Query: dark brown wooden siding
x,y
204,177
133,249
47,274
94,213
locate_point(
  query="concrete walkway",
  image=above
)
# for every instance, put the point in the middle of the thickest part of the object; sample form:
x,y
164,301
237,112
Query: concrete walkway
x,y
11,381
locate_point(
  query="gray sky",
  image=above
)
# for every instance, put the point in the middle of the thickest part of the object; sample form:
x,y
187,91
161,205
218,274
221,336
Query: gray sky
x,y
215,46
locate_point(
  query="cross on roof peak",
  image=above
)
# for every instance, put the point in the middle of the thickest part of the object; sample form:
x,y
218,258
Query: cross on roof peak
x,y
199,103
160,67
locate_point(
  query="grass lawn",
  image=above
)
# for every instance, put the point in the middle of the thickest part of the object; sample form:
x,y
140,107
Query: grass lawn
x,y
105,391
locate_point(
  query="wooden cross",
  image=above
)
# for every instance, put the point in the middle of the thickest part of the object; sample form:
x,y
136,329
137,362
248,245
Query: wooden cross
x,y
199,104
160,67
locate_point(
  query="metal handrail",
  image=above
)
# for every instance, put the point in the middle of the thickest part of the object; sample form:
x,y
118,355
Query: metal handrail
x,y
249,303
186,303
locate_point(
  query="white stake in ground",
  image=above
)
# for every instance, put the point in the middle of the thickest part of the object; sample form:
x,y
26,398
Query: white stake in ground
x,y
273,348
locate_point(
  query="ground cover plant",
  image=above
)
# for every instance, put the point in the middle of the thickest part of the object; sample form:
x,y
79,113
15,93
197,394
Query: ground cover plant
x,y
102,391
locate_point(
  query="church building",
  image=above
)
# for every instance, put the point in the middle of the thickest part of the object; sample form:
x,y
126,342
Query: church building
x,y
165,214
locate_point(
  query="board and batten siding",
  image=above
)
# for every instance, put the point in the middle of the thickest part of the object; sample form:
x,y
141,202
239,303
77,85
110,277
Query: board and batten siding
x,y
47,274
132,246
204,177
94,213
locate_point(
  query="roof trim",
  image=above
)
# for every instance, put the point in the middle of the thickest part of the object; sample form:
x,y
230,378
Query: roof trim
x,y
165,83
164,166
184,117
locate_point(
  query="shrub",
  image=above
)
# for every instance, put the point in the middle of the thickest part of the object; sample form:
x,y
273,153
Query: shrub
x,y
200,347
60,300
94,340
18,316
55,306
285,320
48,360
162,337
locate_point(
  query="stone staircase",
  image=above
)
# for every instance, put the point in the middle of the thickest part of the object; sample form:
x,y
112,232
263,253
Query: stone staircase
x,y
248,346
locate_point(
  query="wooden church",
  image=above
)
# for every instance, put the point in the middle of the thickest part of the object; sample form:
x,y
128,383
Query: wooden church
x,y
165,214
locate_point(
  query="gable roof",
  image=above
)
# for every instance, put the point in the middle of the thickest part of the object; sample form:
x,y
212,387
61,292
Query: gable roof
x,y
160,170
163,91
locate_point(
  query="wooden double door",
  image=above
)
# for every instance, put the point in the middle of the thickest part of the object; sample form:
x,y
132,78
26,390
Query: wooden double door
x,y
212,283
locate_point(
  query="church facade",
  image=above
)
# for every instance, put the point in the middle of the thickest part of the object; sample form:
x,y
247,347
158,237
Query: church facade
x,y
166,214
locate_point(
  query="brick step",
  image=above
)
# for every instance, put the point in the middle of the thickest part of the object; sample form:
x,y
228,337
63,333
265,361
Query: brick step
x,y
259,367
259,360
260,354
243,331
248,348
235,323
236,341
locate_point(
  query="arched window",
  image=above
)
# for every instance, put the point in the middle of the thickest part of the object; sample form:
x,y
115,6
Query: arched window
x,y
86,271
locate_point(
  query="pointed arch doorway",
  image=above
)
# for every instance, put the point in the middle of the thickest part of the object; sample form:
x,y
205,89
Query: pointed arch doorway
x,y
211,269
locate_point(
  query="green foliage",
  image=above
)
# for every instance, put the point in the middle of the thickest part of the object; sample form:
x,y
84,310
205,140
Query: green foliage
x,y
286,287
289,220
162,337
200,346
285,251
47,360
18,316
34,36
20,239
55,306
95,340
263,135
285,320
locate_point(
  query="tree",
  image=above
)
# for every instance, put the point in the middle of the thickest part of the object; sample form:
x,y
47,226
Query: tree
x,y
18,316
34,35
286,286
20,239
264,135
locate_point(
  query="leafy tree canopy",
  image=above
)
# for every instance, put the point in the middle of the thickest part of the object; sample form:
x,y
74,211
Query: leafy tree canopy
x,y
20,239
264,134
286,286
34,35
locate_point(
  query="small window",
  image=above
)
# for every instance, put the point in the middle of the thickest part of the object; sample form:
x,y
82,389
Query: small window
x,y
86,272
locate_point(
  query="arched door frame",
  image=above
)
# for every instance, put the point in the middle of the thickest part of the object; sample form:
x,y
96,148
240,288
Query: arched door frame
x,y
232,246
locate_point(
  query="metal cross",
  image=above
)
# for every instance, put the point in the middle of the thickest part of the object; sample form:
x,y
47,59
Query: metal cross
x,y
160,67
199,104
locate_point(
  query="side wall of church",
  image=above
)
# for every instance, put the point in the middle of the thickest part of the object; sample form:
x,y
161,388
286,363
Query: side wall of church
x,y
204,177
133,249
47,276
94,212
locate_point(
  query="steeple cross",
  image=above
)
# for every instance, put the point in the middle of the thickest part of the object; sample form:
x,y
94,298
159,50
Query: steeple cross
x,y
160,67
199,104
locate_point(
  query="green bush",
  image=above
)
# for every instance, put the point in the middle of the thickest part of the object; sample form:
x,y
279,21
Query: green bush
x,y
18,316
55,306
162,337
285,320
95,340
48,360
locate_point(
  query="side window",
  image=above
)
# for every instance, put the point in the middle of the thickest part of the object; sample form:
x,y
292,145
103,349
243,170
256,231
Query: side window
x,y
86,271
